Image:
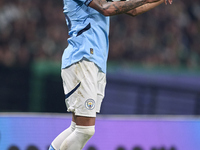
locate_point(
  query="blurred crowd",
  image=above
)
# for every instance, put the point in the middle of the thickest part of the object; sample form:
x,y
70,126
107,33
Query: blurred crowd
x,y
33,30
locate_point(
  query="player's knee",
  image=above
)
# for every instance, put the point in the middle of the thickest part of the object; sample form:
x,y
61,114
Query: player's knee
x,y
87,130
78,139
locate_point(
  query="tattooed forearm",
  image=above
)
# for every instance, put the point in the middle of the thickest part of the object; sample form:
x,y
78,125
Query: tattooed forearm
x,y
114,8
144,8
122,6
101,2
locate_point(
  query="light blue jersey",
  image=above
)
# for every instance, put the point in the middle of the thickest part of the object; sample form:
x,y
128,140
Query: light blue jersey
x,y
88,31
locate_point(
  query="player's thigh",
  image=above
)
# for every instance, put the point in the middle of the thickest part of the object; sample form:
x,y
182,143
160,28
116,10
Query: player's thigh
x,y
80,86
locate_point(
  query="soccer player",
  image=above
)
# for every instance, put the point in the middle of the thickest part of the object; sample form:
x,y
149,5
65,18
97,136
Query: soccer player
x,y
84,63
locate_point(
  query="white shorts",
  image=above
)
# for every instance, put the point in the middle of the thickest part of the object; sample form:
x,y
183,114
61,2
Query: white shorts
x,y
84,86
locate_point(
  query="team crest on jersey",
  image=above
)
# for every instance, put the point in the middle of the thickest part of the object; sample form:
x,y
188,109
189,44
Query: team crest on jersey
x,y
90,104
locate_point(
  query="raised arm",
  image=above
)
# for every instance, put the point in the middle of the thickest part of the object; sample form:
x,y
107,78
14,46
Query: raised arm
x,y
119,7
146,7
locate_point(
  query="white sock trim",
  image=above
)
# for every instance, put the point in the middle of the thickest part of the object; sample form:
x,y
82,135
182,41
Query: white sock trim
x,y
90,130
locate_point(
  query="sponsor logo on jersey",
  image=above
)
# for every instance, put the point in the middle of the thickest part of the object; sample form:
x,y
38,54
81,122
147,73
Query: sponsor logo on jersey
x,y
90,104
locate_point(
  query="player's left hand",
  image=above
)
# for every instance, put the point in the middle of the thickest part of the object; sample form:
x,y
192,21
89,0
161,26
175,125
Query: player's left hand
x,y
168,1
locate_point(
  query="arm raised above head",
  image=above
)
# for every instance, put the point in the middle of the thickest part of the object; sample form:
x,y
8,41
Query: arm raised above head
x,y
117,7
